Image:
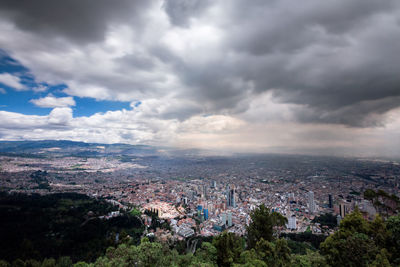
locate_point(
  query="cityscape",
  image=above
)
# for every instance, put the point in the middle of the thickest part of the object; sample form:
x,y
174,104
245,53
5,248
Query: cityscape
x,y
205,195
199,133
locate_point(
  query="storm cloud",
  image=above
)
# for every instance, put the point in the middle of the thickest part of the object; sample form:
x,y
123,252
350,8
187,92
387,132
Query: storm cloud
x,y
78,20
311,62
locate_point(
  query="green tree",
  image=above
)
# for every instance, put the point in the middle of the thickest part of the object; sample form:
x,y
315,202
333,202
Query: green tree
x,y
275,254
49,262
393,227
64,262
381,260
32,263
207,253
81,264
249,258
229,247
150,253
351,245
262,225
311,259
378,231
369,194
282,253
18,263
265,251
135,212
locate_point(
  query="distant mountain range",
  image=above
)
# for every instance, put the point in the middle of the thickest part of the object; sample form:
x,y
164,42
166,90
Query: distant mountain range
x,y
66,147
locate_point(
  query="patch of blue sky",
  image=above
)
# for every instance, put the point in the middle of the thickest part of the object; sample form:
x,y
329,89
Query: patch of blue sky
x,y
19,101
89,106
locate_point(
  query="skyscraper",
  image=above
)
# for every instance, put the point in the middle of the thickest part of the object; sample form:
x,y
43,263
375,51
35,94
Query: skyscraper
x,y
205,191
311,202
343,210
330,205
223,218
229,215
230,196
205,214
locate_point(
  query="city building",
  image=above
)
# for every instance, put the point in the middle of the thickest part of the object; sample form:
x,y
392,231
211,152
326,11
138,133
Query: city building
x,y
230,196
229,221
292,223
311,201
343,209
205,191
223,218
185,231
338,219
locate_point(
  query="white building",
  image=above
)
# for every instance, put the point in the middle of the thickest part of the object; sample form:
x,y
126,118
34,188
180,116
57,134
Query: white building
x,y
185,231
311,202
292,223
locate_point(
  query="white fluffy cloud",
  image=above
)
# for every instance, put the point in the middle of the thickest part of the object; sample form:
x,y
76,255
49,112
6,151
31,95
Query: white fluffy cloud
x,y
12,81
218,132
51,101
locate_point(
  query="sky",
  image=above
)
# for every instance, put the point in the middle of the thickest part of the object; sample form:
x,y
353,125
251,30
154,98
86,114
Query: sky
x,y
287,76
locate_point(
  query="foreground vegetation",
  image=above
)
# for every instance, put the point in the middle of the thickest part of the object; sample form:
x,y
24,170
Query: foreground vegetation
x,y
52,226
357,243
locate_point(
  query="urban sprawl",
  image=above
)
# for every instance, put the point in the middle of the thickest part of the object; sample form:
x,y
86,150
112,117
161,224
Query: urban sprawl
x,y
206,195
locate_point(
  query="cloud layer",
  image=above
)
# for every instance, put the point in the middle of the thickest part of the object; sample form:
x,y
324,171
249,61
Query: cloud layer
x,y
252,64
12,81
53,102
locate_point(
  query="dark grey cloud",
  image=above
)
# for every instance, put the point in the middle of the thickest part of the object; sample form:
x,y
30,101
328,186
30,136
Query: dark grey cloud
x,y
180,11
82,21
336,58
271,26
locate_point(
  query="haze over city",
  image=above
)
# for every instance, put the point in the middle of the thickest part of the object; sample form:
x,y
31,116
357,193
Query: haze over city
x,y
320,77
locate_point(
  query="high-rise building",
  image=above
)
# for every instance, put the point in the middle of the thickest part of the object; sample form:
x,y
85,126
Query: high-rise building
x,y
343,209
223,218
330,204
205,191
205,214
229,215
230,196
292,222
311,202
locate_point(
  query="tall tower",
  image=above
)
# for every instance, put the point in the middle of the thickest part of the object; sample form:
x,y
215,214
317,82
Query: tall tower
x,y
233,195
343,209
330,201
311,202
230,196
229,215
